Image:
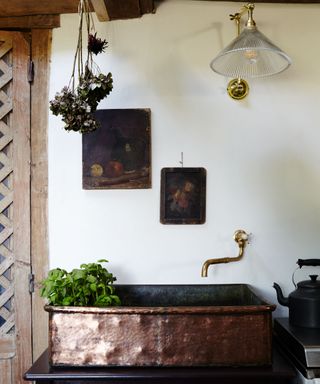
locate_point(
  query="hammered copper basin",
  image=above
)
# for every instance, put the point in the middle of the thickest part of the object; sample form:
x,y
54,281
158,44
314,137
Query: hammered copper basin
x,y
165,325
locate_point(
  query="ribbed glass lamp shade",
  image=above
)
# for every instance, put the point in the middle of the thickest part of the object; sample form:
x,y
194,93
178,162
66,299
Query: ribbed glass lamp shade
x,y
249,55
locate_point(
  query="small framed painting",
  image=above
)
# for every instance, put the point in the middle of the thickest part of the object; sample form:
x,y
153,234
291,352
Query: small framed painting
x,y
118,154
183,196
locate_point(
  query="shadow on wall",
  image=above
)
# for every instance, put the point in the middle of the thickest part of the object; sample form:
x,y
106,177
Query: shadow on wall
x,y
182,68
292,193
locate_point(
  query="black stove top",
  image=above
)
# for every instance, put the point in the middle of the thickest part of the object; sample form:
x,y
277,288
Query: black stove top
x,y
302,345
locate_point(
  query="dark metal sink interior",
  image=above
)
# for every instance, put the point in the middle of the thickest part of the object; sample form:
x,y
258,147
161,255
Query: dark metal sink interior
x,y
187,295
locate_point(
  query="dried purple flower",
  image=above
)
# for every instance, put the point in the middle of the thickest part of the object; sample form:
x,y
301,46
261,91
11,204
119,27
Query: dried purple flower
x,y
95,44
76,107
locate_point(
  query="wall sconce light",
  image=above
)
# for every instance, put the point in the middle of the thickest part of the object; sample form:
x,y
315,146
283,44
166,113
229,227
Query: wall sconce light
x,y
251,54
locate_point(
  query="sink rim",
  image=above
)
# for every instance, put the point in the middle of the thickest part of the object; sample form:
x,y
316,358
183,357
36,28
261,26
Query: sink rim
x,y
262,306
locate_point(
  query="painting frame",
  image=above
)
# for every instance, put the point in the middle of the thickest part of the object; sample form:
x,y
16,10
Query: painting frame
x,y
118,154
183,196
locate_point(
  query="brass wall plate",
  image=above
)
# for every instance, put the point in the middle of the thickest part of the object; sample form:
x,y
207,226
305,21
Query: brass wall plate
x,y
238,89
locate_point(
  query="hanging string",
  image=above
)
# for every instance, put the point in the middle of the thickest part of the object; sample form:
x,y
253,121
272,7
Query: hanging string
x,y
85,16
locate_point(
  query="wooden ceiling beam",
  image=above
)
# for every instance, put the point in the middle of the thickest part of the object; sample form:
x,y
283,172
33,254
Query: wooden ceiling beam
x,y
99,6
30,22
37,7
128,9
105,9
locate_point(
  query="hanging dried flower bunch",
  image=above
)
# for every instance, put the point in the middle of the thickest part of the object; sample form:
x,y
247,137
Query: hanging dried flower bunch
x,y
77,102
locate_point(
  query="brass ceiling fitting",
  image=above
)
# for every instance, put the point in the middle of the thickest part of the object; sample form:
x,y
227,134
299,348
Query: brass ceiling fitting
x,y
241,237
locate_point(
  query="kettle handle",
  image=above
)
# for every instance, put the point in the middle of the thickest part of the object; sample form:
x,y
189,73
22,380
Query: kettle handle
x,y
308,262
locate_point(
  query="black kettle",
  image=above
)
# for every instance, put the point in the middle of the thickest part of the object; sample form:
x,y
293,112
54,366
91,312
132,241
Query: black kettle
x,y
304,302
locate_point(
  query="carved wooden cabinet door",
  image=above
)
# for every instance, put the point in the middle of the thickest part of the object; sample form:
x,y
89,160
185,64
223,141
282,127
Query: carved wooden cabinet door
x,y
15,299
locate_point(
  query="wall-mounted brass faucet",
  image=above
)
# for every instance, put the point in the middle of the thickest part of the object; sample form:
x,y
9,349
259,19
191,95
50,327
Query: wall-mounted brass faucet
x,y
241,237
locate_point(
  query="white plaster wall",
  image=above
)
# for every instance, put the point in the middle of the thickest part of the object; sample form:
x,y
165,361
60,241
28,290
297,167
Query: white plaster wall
x,y
262,155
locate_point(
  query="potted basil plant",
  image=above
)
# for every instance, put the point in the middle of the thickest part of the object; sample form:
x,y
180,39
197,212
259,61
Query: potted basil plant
x,y
78,303
90,285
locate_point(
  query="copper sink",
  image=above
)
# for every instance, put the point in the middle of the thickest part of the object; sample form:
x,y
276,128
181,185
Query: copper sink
x,y
165,325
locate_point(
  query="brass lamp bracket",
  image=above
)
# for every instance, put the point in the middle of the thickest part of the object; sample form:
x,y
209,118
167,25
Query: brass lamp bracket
x,y
237,16
239,88
241,237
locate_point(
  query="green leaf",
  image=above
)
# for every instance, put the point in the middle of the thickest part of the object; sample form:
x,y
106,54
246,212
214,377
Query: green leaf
x,y
78,274
91,279
67,301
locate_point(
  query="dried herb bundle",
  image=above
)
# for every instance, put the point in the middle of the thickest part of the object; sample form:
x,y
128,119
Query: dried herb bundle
x,y
77,102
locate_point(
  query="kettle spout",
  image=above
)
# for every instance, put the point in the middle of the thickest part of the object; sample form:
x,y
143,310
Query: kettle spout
x,y
282,300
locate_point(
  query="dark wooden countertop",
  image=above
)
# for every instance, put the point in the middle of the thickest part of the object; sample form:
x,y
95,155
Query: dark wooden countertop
x,y
280,372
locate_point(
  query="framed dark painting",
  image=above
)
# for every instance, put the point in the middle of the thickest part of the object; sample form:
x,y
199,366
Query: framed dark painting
x,y
118,154
183,196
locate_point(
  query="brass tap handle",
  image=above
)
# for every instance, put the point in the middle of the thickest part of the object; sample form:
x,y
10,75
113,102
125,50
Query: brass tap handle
x,y
241,237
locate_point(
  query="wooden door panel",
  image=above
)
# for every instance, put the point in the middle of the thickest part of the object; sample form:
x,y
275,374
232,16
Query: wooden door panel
x,y
15,299
41,54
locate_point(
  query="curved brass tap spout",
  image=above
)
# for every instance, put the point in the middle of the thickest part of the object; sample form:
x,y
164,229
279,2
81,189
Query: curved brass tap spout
x,y
241,237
